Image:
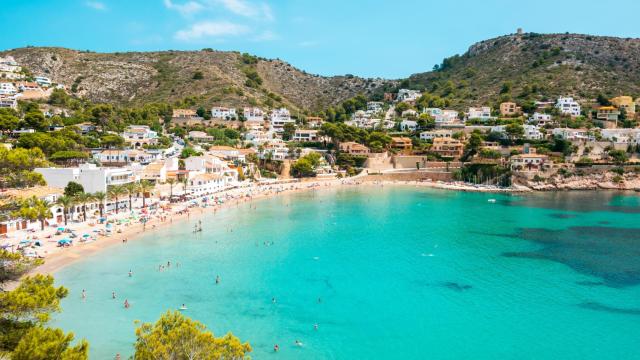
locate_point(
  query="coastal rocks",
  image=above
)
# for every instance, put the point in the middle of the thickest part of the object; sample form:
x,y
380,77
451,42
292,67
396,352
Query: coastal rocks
x,y
608,181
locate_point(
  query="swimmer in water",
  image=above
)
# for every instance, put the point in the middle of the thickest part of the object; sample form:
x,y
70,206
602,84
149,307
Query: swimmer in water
x,y
130,273
273,300
168,264
217,279
84,294
113,294
183,307
298,343
315,327
276,348
126,304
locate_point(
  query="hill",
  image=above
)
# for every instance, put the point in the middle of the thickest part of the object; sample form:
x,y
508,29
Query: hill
x,y
214,77
533,66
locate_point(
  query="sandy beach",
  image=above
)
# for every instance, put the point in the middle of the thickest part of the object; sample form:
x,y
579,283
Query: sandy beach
x,y
57,257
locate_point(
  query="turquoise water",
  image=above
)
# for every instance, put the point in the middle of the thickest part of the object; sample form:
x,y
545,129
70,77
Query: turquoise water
x,y
401,273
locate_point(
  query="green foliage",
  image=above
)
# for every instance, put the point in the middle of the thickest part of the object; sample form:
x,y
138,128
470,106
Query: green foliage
x,y
34,209
59,97
198,75
41,343
8,120
35,120
253,78
378,141
188,152
112,141
73,189
249,59
288,131
17,165
68,155
27,306
13,265
305,166
618,156
175,336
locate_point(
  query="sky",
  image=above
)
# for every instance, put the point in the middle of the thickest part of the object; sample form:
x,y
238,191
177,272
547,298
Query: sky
x,y
371,38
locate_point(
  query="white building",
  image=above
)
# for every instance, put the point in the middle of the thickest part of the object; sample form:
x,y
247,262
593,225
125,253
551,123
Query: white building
x,y
621,136
540,119
223,113
409,113
8,102
259,137
91,178
481,113
43,81
568,106
200,136
374,106
573,134
305,135
275,149
430,135
121,157
408,125
253,114
205,184
227,153
408,95
138,135
7,88
442,117
280,117
531,132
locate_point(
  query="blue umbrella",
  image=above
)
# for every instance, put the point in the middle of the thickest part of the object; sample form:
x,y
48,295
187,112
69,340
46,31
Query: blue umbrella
x,y
64,241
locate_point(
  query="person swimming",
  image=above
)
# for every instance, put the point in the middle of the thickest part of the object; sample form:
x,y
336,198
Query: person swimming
x,y
315,326
276,348
130,273
273,300
84,294
217,279
183,307
126,304
299,343
113,294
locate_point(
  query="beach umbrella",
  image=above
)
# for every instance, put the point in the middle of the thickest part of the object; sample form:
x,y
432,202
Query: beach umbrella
x,y
86,235
64,241
60,229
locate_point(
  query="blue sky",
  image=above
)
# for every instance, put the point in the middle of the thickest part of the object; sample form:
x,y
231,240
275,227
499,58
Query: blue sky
x,y
373,38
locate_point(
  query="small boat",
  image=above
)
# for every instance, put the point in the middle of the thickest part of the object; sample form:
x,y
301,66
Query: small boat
x,y
182,308
492,200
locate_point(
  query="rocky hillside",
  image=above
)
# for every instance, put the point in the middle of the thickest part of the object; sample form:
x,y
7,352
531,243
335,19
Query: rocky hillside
x,y
215,77
535,66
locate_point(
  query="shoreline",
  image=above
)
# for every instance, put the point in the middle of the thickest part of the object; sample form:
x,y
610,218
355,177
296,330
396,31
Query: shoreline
x,y
62,257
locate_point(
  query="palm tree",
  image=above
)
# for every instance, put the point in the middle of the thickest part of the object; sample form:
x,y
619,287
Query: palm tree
x,y
66,202
84,199
131,189
35,209
145,187
100,197
115,192
171,182
184,182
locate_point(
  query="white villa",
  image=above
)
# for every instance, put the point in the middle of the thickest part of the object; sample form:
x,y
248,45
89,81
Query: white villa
x,y
482,113
138,135
223,113
253,114
305,135
540,119
91,177
280,117
430,135
568,106
573,134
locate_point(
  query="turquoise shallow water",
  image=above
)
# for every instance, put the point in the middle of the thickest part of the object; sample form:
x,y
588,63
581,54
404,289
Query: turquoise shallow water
x,y
401,273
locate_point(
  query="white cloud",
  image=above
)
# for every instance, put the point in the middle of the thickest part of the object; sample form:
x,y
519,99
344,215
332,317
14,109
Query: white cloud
x,y
247,9
307,43
211,29
96,5
266,35
186,9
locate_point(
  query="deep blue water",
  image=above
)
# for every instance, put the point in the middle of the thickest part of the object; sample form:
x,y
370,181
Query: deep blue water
x,y
386,273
